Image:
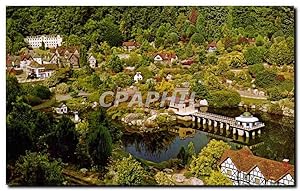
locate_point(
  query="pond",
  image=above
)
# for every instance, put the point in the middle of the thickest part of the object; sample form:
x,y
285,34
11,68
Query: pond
x,y
276,142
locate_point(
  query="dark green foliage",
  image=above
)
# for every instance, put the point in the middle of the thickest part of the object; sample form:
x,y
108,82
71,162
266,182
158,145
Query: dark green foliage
x,y
254,55
19,130
225,98
115,64
41,91
266,78
35,169
201,90
182,155
62,142
276,94
255,69
13,90
99,140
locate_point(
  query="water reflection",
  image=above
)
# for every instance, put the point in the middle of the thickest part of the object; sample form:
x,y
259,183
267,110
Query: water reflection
x,y
276,141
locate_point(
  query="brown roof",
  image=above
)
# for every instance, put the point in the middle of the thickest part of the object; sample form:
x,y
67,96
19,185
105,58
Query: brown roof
x,y
131,43
245,161
62,50
166,56
187,62
212,45
34,64
50,66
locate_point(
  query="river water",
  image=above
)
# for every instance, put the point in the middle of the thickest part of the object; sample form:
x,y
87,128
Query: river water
x,y
276,142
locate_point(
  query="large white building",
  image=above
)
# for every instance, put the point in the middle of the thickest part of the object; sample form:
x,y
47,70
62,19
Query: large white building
x,y
51,41
244,168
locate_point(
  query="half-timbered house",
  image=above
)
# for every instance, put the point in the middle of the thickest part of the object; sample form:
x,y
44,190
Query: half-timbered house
x,y
244,168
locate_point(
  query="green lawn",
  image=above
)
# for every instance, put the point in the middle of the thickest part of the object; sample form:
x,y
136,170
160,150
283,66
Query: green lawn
x,y
249,101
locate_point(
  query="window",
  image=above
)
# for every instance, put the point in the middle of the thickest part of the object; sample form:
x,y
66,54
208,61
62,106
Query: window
x,y
245,176
257,181
229,172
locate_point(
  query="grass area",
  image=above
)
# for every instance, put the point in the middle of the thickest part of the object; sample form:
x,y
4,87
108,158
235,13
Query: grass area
x,y
45,104
249,101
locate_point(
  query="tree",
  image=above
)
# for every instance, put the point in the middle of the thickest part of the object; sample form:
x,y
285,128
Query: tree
x,y
254,55
41,91
197,38
190,152
281,52
225,98
36,169
207,159
62,142
127,171
182,155
73,40
115,64
216,178
201,90
13,90
99,139
19,130
255,69
266,78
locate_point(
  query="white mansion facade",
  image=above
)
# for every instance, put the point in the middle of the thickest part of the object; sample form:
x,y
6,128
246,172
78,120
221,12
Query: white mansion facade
x,y
51,41
244,168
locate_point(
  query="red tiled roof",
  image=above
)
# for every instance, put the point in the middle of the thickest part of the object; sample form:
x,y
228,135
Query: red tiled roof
x,y
187,62
166,56
131,43
245,161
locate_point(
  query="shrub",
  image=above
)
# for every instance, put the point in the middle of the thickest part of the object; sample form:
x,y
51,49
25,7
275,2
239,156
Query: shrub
x,y
225,98
41,91
62,88
255,69
127,171
266,78
35,169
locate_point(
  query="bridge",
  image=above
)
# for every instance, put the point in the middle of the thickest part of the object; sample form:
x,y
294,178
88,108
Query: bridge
x,y
248,125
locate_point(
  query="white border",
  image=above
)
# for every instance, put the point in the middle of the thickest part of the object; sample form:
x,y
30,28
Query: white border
x,y
5,3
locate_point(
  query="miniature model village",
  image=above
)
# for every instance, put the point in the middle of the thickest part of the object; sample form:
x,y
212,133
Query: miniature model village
x,y
233,126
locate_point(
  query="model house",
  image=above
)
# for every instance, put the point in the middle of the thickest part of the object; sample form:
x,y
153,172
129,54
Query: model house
x,y
244,168
61,109
130,45
165,57
50,41
92,61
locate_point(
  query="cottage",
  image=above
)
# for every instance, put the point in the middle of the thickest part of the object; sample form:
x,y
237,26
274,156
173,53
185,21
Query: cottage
x,y
62,109
212,47
187,62
74,61
244,168
65,56
130,45
36,70
92,61
165,57
137,77
50,41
